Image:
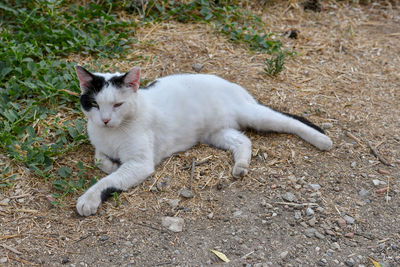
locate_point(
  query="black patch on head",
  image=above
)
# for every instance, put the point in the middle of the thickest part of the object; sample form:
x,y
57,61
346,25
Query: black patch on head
x,y
106,193
91,90
305,121
149,85
118,81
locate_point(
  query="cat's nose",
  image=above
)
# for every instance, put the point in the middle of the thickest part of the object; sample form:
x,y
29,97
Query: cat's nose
x,y
106,120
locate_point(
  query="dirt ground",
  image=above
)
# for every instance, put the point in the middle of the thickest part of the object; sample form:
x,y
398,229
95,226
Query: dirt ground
x,y
297,207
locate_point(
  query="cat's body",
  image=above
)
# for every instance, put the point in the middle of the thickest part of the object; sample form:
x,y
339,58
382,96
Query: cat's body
x,y
133,130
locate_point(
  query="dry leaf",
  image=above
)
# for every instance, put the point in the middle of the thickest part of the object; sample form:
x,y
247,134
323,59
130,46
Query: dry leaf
x,y
220,255
375,263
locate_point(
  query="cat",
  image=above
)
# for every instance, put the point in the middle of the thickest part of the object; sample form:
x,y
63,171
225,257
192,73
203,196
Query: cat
x,y
133,130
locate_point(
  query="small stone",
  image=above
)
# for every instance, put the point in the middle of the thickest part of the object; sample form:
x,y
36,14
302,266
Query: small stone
x,y
314,187
309,211
326,125
383,171
174,224
335,246
237,213
349,235
377,182
363,193
103,238
348,219
3,260
312,221
5,201
353,164
341,222
350,262
329,252
186,193
288,196
329,232
173,202
297,215
388,198
322,262
303,224
319,235
283,255
210,216
161,186
310,232
197,67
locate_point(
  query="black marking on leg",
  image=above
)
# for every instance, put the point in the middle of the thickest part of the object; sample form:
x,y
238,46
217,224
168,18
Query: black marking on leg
x,y
106,193
115,161
305,121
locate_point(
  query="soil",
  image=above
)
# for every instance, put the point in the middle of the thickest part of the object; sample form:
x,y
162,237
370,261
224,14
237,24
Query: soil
x,y
296,207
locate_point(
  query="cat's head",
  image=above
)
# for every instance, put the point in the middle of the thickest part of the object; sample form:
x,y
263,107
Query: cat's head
x,y
108,99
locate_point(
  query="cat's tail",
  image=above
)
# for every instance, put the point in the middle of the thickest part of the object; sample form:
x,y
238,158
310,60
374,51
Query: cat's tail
x,y
263,118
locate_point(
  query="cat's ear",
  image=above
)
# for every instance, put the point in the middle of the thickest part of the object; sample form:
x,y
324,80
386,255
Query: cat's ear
x,y
132,78
84,76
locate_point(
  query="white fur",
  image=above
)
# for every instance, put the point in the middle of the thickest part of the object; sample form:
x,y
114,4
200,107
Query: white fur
x,y
176,113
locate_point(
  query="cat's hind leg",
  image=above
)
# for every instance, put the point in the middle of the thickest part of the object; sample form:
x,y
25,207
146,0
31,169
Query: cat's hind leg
x,y
238,143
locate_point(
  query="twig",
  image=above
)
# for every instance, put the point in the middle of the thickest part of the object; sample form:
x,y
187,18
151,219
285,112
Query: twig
x,y
20,196
8,236
297,204
376,154
192,173
11,249
24,261
349,134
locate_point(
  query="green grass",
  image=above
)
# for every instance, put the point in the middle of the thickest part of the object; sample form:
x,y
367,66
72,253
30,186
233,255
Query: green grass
x,y
36,38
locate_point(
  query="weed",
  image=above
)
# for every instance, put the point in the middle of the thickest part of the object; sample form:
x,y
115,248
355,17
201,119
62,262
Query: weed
x,y
274,65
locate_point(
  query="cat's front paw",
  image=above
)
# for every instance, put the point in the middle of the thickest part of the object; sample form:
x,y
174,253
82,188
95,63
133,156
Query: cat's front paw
x,y
240,169
88,203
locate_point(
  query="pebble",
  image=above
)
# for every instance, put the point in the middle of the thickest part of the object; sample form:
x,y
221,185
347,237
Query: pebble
x,y
297,215
3,260
341,222
349,235
237,213
319,235
309,211
288,196
284,255
197,67
335,246
186,193
383,171
350,262
353,164
314,187
326,125
377,182
210,215
173,202
312,221
174,224
322,262
5,201
363,193
348,219
103,238
310,232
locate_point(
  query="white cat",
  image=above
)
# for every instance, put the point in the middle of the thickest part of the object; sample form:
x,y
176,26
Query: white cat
x,y
133,130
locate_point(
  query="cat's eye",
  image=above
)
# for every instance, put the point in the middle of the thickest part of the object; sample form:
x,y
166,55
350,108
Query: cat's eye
x,y
95,105
117,105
